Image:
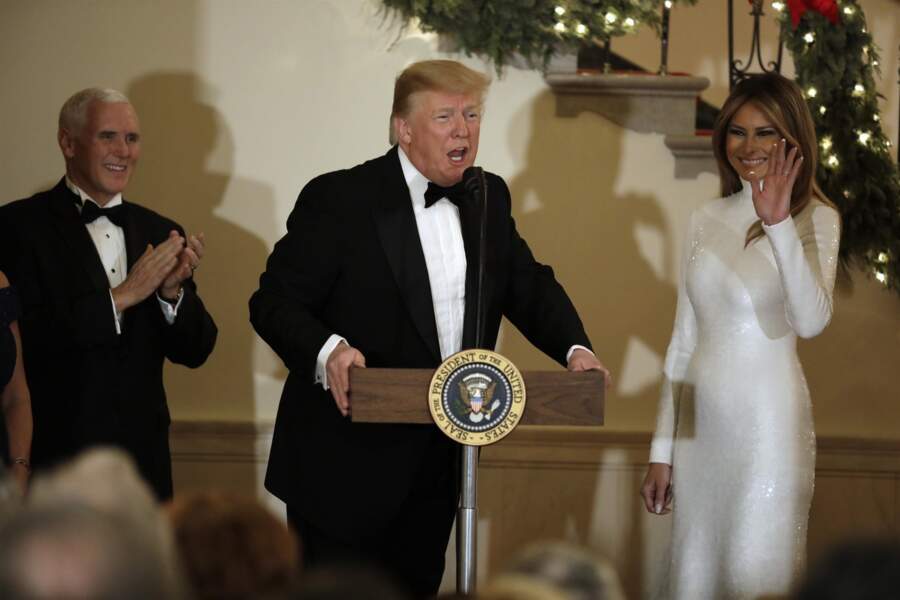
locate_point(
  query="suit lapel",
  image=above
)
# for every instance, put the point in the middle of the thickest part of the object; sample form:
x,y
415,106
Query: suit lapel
x,y
396,226
74,233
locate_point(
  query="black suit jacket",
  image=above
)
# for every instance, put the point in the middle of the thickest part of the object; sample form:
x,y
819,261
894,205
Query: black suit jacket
x,y
352,264
90,385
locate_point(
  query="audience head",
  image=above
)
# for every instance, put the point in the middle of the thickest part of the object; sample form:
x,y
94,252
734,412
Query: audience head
x,y
106,480
71,551
555,571
100,138
233,548
857,570
436,117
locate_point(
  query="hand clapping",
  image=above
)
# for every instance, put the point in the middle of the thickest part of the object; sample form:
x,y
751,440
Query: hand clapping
x,y
161,268
188,260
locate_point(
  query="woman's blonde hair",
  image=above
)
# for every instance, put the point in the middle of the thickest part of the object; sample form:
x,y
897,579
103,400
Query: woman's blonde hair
x,y
781,101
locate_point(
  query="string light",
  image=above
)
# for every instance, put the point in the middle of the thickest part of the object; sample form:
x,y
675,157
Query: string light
x,y
611,18
864,137
560,11
880,276
882,257
809,38
832,161
629,22
668,4
859,90
811,92
876,118
822,110
848,10
826,143
560,27
778,6
581,29
846,193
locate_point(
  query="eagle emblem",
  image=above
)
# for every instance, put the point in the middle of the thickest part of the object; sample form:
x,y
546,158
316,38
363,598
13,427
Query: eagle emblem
x,y
477,393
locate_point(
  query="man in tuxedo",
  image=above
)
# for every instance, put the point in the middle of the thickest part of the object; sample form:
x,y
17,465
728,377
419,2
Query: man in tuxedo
x,y
107,295
378,268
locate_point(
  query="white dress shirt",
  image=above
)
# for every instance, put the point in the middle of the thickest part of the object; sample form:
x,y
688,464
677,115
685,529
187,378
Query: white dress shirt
x,y
109,239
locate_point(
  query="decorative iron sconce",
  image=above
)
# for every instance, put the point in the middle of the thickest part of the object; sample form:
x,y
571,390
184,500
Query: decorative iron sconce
x,y
664,39
739,70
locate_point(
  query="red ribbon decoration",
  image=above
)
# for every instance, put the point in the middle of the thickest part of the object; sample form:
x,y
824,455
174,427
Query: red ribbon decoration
x,y
826,8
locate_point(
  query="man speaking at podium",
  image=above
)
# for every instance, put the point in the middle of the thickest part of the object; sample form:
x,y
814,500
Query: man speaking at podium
x,y
379,268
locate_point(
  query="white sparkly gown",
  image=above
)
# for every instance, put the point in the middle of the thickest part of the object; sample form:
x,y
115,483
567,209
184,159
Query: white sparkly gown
x,y
735,420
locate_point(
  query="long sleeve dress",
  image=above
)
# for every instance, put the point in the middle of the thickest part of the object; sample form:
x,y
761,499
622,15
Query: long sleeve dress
x,y
735,418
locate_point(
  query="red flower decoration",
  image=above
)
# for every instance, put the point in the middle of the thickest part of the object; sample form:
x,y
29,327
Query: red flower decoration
x,y
826,8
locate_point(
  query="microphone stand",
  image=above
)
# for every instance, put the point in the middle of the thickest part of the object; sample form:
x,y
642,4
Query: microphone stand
x,y
467,513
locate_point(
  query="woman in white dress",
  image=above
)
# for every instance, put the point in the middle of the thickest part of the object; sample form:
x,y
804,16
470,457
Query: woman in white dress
x,y
734,448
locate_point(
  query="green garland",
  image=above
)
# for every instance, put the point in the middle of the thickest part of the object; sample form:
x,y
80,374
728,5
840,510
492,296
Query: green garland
x,y
836,65
533,29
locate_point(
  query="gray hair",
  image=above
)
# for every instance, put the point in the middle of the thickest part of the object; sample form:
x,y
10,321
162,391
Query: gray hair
x,y
73,114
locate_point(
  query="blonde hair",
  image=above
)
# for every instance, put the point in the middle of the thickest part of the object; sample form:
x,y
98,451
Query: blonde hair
x,y
781,101
434,76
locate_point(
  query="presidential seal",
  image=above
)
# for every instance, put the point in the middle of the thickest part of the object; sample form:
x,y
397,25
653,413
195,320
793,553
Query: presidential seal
x,y
476,397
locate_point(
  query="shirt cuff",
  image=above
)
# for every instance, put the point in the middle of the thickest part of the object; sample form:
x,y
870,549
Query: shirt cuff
x,y
169,310
116,314
578,347
322,358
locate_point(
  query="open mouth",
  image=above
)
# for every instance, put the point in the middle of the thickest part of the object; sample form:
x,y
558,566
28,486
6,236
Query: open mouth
x,y
752,162
115,168
457,155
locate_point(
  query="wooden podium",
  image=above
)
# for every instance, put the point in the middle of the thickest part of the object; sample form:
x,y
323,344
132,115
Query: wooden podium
x,y
401,396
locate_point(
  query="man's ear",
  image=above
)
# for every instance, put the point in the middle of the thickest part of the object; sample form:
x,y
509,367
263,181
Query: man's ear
x,y
402,130
66,142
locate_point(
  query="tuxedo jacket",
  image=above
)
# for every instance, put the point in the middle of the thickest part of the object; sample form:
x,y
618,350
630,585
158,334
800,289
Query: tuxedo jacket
x,y
352,264
90,385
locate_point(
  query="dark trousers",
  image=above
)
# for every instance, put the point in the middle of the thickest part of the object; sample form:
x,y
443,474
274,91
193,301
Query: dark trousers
x,y
409,549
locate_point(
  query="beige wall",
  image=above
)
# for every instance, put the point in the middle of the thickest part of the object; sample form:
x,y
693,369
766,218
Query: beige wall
x,y
243,102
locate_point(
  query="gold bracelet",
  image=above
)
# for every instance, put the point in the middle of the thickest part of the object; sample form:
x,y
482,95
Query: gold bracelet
x,y
21,460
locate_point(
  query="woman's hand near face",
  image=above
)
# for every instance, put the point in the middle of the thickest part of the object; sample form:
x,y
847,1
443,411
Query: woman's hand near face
x,y
773,201
657,489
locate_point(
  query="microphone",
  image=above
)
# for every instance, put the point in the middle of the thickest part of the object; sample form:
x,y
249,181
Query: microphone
x,y
475,184
472,180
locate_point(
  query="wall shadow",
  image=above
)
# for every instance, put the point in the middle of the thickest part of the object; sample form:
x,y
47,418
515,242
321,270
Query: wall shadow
x,y
567,208
182,135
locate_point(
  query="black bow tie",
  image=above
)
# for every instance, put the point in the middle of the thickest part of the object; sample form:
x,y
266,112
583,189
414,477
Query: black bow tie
x,y
456,194
90,212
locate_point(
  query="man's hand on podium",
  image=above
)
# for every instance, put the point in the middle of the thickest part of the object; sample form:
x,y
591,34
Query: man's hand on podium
x,y
582,360
338,371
